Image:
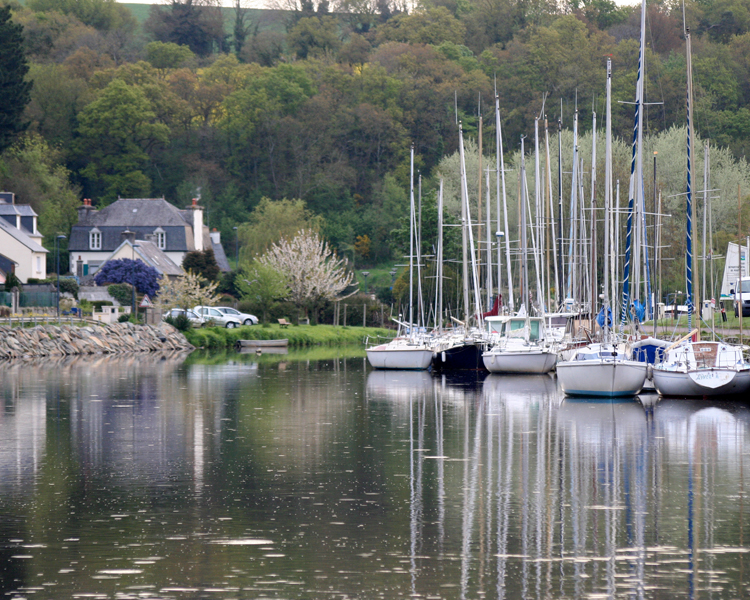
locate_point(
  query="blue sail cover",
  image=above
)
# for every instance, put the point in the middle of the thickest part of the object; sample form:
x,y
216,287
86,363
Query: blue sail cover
x,y
639,310
600,317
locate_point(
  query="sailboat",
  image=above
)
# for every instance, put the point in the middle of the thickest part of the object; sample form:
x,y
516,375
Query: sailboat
x,y
410,351
461,349
697,368
522,347
605,368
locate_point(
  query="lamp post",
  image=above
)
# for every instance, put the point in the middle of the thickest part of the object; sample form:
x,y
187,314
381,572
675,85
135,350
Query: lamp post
x,y
365,274
393,278
236,248
132,281
57,259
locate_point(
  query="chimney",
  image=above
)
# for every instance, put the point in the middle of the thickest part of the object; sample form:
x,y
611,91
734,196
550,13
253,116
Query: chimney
x,y
85,210
197,222
128,235
216,236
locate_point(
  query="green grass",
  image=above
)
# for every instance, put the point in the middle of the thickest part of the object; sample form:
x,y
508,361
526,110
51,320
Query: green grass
x,y
298,336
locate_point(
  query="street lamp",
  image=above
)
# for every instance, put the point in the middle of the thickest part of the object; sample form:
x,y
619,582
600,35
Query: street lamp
x,y
365,274
393,277
236,248
57,259
132,281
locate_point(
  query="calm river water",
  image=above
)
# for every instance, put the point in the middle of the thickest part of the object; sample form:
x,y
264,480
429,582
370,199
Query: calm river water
x,y
311,476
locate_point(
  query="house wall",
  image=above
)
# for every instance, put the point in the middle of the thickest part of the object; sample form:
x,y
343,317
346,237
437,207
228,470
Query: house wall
x,y
30,264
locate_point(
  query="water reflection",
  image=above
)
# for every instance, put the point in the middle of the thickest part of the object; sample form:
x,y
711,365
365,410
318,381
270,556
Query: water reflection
x,y
240,476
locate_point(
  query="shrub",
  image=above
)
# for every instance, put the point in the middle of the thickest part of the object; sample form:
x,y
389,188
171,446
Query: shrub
x,y
70,286
124,319
97,304
122,292
180,322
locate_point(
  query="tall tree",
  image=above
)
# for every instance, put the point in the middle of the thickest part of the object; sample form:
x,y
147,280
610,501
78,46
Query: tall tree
x,y
197,24
15,91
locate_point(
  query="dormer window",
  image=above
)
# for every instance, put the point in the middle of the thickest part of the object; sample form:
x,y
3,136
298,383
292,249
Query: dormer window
x,y
161,238
95,239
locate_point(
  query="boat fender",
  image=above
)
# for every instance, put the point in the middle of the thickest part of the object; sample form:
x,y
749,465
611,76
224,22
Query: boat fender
x,y
650,372
442,356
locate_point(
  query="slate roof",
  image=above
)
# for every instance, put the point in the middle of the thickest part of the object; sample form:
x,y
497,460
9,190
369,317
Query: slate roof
x,y
21,237
150,253
17,209
140,215
221,257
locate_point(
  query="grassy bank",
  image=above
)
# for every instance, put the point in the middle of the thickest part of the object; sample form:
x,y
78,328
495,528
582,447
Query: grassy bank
x,y
299,336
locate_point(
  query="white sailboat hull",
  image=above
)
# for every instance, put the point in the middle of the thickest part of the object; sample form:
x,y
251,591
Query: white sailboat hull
x,y
530,361
702,382
407,357
603,377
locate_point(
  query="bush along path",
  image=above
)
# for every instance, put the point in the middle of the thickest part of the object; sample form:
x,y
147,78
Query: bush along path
x,y
298,335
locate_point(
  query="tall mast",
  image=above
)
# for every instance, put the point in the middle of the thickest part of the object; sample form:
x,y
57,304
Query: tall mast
x,y
488,282
439,303
690,207
499,143
551,237
594,287
464,220
524,252
607,201
572,259
635,180
411,244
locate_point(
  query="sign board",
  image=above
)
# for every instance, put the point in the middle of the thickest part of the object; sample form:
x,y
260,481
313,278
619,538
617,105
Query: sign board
x,y
146,302
733,267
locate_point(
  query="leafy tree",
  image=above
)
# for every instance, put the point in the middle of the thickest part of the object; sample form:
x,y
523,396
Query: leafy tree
x,y
104,15
314,36
263,286
197,24
312,270
271,221
203,263
32,169
116,132
167,55
14,89
187,291
135,272
424,26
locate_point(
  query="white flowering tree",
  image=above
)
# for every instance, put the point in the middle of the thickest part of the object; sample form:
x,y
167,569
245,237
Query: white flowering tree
x,y
187,291
313,271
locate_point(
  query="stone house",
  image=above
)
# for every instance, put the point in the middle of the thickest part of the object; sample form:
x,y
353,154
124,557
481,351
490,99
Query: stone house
x,y
21,250
173,231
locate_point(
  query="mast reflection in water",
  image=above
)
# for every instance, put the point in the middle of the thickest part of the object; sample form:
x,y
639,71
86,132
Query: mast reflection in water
x,y
277,477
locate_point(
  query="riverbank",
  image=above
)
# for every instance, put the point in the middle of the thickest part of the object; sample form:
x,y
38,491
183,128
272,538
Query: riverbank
x,y
53,340
299,336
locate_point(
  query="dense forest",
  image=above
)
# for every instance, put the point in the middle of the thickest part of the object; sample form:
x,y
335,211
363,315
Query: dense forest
x,y
322,103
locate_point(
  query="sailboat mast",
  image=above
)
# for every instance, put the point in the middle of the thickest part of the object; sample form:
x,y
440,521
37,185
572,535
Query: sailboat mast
x,y
635,181
488,282
499,144
607,201
594,283
439,303
411,244
690,207
464,221
572,259
524,252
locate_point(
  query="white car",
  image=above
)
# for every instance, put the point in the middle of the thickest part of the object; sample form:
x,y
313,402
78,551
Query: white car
x,y
196,320
210,313
245,318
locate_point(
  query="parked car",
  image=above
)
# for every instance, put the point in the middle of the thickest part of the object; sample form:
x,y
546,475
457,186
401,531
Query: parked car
x,y
195,319
245,318
209,313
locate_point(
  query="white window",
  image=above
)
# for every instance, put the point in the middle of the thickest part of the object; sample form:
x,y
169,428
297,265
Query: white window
x,y
161,238
38,264
95,240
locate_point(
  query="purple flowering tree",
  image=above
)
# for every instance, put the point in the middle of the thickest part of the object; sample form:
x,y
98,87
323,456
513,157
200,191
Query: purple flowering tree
x,y
134,272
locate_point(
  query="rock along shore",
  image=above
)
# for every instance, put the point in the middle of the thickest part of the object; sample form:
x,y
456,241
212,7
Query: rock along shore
x,y
51,340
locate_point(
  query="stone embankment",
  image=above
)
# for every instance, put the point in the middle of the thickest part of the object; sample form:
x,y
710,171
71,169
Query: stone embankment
x,y
117,338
